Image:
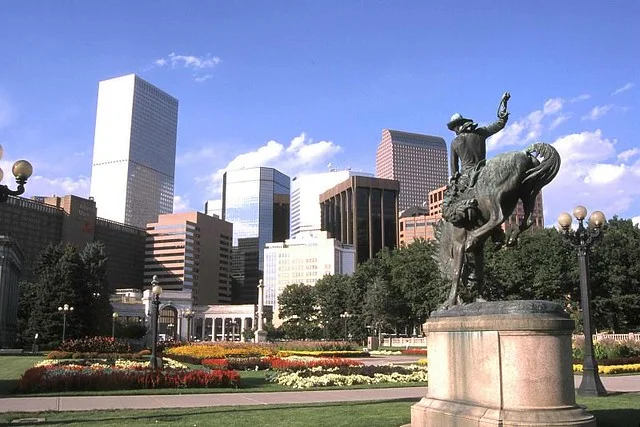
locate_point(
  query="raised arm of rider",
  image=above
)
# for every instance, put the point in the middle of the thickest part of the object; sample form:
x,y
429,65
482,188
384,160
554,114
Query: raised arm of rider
x,y
494,127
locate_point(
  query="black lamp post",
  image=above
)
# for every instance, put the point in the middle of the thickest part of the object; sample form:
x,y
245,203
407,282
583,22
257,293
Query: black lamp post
x,y
21,170
64,310
113,324
156,290
582,239
188,314
346,315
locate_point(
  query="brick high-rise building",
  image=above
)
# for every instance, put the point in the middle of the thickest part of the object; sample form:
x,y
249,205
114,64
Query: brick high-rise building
x,y
191,251
418,162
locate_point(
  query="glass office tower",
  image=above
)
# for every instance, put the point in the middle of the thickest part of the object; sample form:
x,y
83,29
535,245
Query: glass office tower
x,y
257,202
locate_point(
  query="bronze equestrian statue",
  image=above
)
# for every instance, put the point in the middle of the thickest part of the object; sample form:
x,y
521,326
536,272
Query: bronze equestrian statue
x,y
482,194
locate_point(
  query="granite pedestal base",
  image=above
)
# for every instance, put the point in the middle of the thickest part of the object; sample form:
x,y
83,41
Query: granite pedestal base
x,y
500,364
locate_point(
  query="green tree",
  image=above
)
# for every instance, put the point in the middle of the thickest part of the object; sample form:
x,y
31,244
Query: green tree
x,y
615,277
27,299
297,304
418,281
96,295
332,296
61,281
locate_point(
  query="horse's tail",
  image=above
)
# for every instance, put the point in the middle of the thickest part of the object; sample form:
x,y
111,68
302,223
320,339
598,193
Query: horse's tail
x,y
542,174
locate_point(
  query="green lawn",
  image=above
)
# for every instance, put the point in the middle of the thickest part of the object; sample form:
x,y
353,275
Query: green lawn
x,y
12,368
622,410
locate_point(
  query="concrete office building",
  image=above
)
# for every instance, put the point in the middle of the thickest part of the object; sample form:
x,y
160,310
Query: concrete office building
x,y
307,257
36,223
419,162
257,202
305,191
191,251
363,212
134,151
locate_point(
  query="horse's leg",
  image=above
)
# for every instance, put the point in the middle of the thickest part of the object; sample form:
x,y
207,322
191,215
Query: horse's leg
x,y
494,216
528,204
458,238
478,255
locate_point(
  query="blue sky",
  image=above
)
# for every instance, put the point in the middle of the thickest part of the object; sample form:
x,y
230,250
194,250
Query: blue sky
x,y
298,84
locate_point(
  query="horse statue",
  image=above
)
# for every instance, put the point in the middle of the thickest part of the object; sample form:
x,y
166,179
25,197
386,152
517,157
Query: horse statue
x,y
504,179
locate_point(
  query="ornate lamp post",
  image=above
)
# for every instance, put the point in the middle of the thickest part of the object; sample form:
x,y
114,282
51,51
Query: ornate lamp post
x,y
113,324
188,314
156,290
21,170
582,239
346,315
64,310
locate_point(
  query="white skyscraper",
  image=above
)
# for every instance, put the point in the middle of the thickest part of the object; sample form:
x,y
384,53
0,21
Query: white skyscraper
x,y
134,151
305,197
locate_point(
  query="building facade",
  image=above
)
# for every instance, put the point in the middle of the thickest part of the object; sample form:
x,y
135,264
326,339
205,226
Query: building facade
x,y
191,252
419,162
305,259
134,151
41,221
11,259
305,191
363,212
257,202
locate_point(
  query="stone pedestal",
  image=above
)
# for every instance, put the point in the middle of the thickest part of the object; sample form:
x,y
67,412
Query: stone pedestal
x,y
261,336
500,364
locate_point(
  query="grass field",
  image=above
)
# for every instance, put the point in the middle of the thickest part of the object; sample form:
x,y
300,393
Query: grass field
x,y
621,410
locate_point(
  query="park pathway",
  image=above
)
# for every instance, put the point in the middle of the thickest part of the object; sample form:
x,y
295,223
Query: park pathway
x,y
629,383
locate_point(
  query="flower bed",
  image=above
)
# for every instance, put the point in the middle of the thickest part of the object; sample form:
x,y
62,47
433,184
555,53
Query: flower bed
x,y
56,376
293,363
317,345
194,353
349,353
414,351
613,369
348,376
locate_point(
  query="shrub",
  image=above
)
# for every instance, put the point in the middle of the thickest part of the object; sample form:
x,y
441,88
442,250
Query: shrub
x,y
339,353
607,348
318,346
95,344
280,364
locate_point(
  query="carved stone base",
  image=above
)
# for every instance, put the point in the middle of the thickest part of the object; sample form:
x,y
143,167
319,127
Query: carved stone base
x,y
500,364
260,336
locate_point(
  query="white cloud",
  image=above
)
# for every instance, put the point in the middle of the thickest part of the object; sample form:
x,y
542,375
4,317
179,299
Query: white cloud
x,y
302,154
636,220
181,204
559,120
552,106
527,130
40,185
203,78
581,97
591,175
195,63
626,155
597,112
624,88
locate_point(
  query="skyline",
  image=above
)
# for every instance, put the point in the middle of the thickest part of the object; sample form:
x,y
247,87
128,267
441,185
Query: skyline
x,y
301,85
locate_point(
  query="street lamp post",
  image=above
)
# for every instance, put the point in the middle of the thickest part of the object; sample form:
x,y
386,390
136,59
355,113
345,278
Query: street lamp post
x,y
21,170
156,290
64,310
346,315
188,314
113,324
582,239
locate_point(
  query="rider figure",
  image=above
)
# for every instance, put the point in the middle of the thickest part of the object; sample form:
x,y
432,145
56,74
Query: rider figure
x,y
468,155
469,146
